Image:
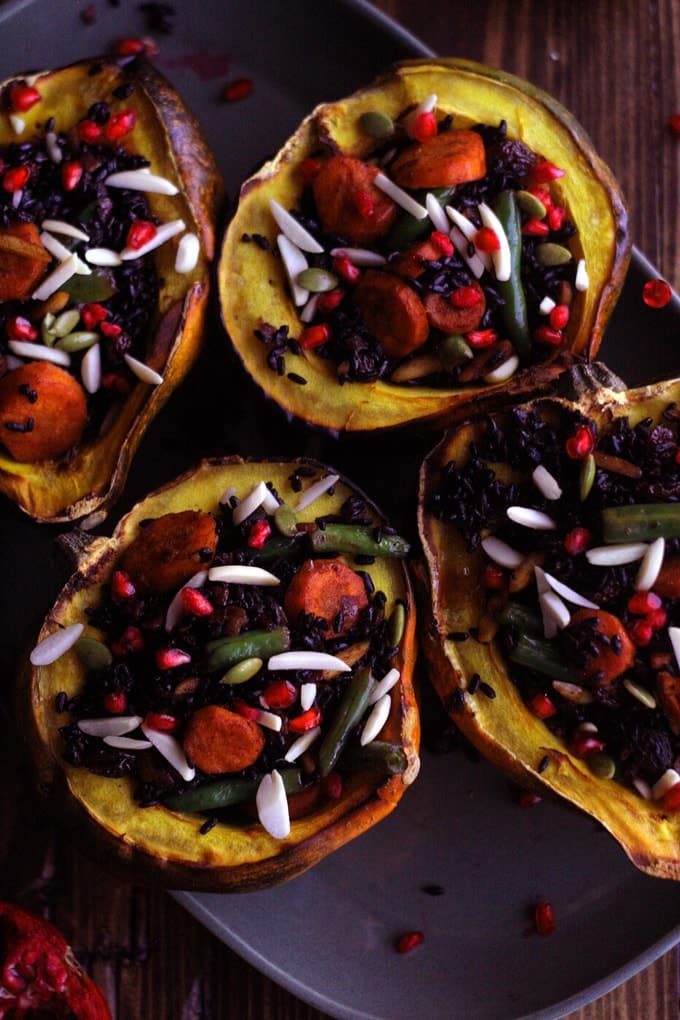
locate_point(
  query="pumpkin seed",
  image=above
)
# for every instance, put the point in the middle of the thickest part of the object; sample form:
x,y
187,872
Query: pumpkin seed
x,y
316,281
587,476
550,254
642,694
48,337
285,520
376,124
79,341
244,670
65,323
93,653
531,205
454,350
601,765
396,625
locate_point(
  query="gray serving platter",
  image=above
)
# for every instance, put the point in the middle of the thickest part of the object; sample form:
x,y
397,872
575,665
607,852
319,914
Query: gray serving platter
x,y
328,936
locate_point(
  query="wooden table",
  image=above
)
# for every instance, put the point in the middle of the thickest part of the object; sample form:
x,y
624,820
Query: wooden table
x,y
612,64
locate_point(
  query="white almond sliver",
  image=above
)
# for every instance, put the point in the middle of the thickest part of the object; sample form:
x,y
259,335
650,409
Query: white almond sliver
x,y
53,147
436,213
651,565
128,743
294,262
581,280
674,636
474,262
307,696
315,490
103,257
91,369
188,250
55,645
227,494
376,720
398,195
530,518
500,258
272,806
546,306
269,720
57,278
643,788
616,555
39,352
67,229
299,746
235,573
18,123
16,198
171,749
111,726
163,234
61,252
568,593
425,105
542,585
546,483
293,229
504,371
249,503
556,615
175,609
501,553
270,503
309,311
307,660
360,256
468,229
664,783
142,371
141,180
383,686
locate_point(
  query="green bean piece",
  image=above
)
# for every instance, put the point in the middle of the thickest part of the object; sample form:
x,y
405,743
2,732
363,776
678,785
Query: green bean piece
x,y
396,625
587,477
243,671
453,351
515,614
357,539
227,792
276,547
407,229
377,756
514,310
353,704
252,644
543,657
285,520
641,522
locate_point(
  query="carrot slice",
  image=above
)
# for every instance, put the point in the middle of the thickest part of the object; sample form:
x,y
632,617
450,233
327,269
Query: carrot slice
x,y
218,740
329,590
443,315
393,313
348,202
21,266
43,411
169,550
609,663
447,159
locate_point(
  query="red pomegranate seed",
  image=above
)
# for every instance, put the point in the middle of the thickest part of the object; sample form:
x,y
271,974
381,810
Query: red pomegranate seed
x,y
314,336
23,97
543,195
194,603
408,941
479,338
643,602
258,534
19,328
556,217
541,706
577,541
494,577
640,633
544,918
170,658
120,124
677,456
244,709
237,89
486,240
129,47
110,329
116,383
443,242
161,721
423,127
671,799
330,300
674,123
582,744
15,178
535,228
548,336
130,641
332,785
310,167
71,173
89,132
92,314
543,172
656,293
307,721
115,702
364,203
527,799
140,233
280,694
465,297
559,317
346,269
657,619
581,443
121,586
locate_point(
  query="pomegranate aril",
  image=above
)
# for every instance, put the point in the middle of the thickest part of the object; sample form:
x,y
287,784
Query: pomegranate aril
x,y
556,217
280,694
581,443
582,744
544,918
92,314
408,941
671,799
346,269
19,328
535,228
130,641
549,336
120,124
656,293
543,195
161,721
115,702
306,721
330,300
643,602
543,172
465,297
110,329
480,338
559,316
71,174
15,178
541,706
116,383
89,131
258,534
194,603
423,127
23,97
486,240
121,586
332,785
640,633
140,233
129,47
170,658
237,89
527,800
657,619
244,709
494,577
442,242
674,123
314,336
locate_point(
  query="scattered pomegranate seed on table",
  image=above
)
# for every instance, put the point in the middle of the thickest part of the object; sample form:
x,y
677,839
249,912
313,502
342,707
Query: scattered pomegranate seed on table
x,y
656,293
237,89
544,918
408,941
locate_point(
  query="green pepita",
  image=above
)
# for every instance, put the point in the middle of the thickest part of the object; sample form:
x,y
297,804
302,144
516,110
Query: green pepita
x,y
316,281
454,350
244,670
550,254
376,124
66,322
531,205
396,625
48,337
79,341
587,477
285,520
93,653
601,765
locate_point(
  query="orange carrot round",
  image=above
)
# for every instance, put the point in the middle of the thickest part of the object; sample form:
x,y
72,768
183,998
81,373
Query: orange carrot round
x,y
218,740
328,589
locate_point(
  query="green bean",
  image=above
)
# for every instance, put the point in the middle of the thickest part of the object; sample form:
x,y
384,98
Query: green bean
x,y
252,644
407,229
515,614
543,657
358,540
514,310
276,547
353,704
226,792
641,522
377,756
243,671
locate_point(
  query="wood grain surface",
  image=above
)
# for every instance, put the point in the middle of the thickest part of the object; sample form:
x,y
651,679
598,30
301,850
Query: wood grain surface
x,y
614,64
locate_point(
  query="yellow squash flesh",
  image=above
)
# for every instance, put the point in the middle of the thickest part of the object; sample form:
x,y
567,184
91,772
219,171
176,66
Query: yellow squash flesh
x,y
170,137
164,847
252,282
503,728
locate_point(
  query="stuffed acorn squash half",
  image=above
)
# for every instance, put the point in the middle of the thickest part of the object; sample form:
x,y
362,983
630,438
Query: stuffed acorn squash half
x,y
445,234
107,207
222,694
551,535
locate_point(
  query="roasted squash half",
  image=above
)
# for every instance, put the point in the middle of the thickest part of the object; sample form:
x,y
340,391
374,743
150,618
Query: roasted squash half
x,y
260,314
556,652
166,844
77,109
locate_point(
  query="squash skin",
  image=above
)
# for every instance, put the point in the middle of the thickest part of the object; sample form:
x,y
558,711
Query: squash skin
x,y
252,282
155,845
503,729
169,136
